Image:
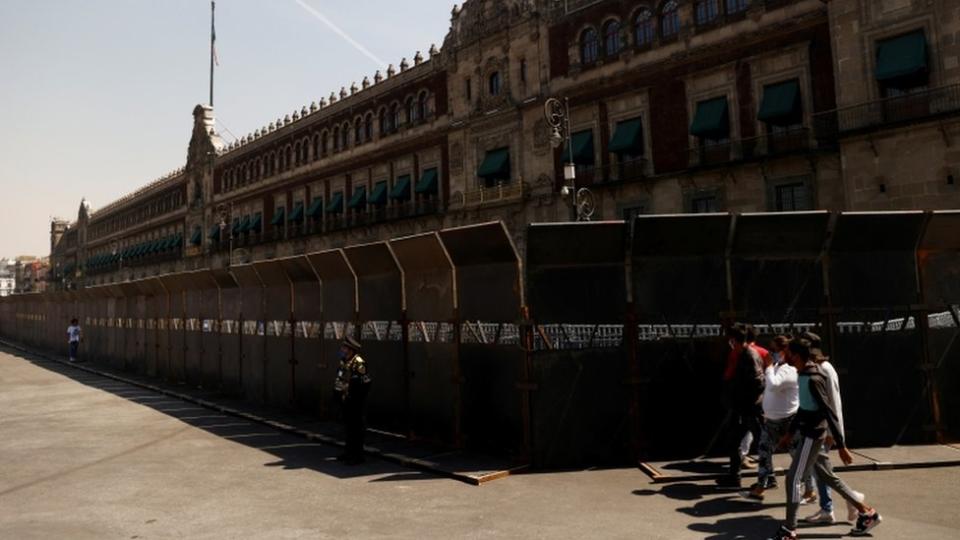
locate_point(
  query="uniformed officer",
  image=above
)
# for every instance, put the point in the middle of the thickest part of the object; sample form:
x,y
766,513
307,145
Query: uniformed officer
x,y
352,385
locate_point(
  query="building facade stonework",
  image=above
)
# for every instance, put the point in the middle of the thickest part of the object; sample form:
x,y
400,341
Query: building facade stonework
x,y
674,106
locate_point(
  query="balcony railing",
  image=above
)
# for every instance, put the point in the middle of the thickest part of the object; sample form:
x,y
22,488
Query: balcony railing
x,y
794,141
620,171
499,194
912,107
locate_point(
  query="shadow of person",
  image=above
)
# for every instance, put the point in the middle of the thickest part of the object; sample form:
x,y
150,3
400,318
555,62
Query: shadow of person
x,y
680,491
737,528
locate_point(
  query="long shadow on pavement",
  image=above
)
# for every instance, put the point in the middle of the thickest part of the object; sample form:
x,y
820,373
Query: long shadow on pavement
x,y
293,452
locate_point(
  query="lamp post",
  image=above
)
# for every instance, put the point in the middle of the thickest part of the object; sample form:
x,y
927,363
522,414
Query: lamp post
x,y
225,212
557,114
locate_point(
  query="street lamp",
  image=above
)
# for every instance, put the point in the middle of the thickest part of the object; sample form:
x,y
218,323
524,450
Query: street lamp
x,y
225,212
557,114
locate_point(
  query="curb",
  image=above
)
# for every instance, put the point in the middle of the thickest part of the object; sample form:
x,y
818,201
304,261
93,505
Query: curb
x,y
411,463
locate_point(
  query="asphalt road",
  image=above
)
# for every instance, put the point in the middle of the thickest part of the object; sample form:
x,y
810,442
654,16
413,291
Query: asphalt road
x,y
86,457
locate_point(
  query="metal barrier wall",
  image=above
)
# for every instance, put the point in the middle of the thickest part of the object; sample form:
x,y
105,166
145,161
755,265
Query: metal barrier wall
x,y
598,347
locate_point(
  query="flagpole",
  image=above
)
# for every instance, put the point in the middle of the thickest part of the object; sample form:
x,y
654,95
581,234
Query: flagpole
x,y
213,52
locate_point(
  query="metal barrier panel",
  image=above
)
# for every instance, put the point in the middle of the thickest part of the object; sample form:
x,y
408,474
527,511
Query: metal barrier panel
x,y
230,340
116,346
386,405
491,402
872,259
576,272
881,381
310,387
432,394
279,374
487,272
939,259
579,411
679,271
945,354
776,266
379,286
193,334
253,340
339,285
428,283
155,307
681,406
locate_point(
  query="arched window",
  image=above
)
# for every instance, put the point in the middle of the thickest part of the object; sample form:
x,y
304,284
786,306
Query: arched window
x,y
345,137
357,131
494,84
411,106
383,122
316,146
394,117
706,11
296,153
287,158
323,143
737,6
305,150
422,105
257,172
368,127
669,20
643,27
611,36
589,46
336,138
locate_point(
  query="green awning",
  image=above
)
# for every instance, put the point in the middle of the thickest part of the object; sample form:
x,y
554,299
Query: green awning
x,y
336,204
379,195
712,119
278,216
781,104
428,182
197,237
627,137
214,233
496,164
316,208
401,190
237,226
255,223
359,198
902,56
582,148
245,224
297,215
178,240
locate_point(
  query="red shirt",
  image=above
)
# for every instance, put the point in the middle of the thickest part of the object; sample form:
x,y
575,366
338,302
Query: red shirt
x,y
731,367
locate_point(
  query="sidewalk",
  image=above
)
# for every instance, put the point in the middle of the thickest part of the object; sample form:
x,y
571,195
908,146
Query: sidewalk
x,y
864,459
469,467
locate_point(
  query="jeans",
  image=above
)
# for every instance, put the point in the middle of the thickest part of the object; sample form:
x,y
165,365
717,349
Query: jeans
x,y
741,423
74,345
773,431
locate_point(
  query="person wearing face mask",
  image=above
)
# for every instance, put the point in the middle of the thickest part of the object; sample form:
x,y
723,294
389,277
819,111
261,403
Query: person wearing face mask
x,y
352,386
743,392
780,403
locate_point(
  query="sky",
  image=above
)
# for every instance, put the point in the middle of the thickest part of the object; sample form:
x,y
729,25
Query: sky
x,y
96,96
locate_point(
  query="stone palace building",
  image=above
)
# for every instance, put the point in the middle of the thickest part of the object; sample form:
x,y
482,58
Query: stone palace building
x,y
674,106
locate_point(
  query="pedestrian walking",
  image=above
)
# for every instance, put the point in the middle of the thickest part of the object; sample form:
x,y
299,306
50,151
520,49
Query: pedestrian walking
x,y
743,392
352,386
780,403
825,514
74,337
816,424
755,427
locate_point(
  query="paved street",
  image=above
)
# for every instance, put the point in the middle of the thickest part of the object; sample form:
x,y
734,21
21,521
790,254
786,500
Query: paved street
x,y
86,457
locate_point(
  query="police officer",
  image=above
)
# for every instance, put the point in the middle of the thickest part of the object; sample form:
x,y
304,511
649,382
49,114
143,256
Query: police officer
x,y
352,386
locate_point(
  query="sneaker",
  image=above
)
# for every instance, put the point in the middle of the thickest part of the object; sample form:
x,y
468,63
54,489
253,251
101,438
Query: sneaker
x,y
866,522
852,512
809,497
821,517
784,534
755,493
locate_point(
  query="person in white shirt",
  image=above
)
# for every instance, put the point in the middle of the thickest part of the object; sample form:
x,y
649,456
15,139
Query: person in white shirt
x,y
780,402
74,336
